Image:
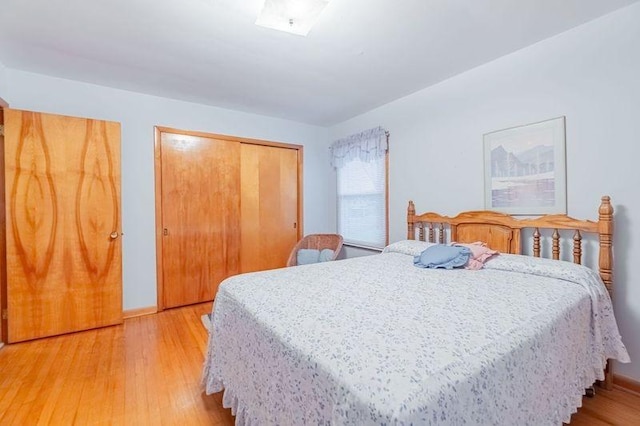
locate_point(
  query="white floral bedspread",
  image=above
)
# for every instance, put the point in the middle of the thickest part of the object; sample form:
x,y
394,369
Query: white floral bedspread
x,y
375,340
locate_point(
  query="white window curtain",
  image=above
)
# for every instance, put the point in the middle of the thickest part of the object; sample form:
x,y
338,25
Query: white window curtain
x,y
360,163
366,146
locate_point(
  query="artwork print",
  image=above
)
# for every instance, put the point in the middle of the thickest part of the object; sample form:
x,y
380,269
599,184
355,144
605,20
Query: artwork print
x,y
525,169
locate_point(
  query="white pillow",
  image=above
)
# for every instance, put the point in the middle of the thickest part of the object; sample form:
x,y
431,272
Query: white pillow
x,y
408,247
326,255
307,256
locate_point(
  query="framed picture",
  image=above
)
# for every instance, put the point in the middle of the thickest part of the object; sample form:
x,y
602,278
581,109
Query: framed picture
x,y
525,169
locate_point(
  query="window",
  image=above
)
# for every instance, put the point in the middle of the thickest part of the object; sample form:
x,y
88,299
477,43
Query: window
x,y
361,167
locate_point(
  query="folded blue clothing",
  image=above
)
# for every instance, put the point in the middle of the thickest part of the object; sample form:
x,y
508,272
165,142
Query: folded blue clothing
x,y
443,256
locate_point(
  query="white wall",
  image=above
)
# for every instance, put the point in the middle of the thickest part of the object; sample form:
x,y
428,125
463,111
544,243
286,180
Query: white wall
x,y
139,114
591,75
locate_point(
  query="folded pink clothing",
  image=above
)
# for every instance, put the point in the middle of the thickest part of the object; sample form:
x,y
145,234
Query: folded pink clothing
x,y
474,264
479,254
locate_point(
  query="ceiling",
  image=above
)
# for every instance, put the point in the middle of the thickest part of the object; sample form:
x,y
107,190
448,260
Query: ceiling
x,y
361,54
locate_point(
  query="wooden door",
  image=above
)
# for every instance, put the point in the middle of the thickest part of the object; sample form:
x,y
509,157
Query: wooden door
x,y
269,206
64,253
200,216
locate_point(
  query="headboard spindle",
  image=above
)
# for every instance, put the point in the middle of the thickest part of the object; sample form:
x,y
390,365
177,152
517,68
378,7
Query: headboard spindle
x,y
536,242
577,247
556,244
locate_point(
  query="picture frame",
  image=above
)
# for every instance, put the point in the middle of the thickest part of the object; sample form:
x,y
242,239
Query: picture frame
x,y
525,169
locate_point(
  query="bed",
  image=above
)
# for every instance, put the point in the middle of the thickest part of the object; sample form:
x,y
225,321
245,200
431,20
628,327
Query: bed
x,y
375,340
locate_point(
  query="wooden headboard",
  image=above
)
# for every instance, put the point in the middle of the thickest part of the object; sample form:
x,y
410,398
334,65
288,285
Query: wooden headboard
x,y
504,233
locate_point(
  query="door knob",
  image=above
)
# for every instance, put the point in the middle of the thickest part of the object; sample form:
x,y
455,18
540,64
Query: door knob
x,y
113,235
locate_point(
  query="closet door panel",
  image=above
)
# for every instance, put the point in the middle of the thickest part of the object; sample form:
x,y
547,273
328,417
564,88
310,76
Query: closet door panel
x,y
269,226
62,177
200,214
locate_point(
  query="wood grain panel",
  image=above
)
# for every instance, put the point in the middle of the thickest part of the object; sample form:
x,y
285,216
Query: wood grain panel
x,y
33,197
201,216
269,206
497,237
97,189
63,191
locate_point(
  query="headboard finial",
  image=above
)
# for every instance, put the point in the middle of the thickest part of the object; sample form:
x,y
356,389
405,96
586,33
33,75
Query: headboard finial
x,y
605,206
411,213
605,217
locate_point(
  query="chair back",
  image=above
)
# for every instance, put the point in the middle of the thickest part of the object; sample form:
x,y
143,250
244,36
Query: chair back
x,y
317,242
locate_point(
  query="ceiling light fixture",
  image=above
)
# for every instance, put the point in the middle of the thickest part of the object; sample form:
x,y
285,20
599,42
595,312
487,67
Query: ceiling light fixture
x,y
291,16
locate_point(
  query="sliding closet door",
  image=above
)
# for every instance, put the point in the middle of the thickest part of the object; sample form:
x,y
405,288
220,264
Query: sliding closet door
x,y
64,261
200,216
269,206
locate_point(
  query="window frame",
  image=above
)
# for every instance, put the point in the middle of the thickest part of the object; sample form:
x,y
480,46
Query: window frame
x,y
386,208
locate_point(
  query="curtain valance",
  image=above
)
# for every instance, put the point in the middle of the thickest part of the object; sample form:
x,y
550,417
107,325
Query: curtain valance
x,y
366,146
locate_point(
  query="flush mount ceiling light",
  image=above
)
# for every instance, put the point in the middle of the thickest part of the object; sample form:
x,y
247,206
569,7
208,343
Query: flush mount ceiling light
x,y
292,16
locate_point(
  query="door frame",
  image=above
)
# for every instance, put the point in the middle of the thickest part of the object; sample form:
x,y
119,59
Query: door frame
x,y
158,189
3,237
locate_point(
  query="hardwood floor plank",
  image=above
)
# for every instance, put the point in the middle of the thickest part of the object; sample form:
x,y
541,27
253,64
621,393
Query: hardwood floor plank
x,y
118,379
622,396
74,383
587,420
16,374
94,399
148,371
608,409
57,406
43,408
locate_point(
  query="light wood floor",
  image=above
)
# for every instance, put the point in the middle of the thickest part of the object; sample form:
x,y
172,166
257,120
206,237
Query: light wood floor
x,y
148,372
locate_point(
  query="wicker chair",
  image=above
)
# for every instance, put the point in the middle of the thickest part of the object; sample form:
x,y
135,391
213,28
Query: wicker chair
x,y
318,242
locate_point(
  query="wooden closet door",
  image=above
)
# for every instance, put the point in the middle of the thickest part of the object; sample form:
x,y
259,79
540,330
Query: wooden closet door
x,y
200,216
64,254
269,206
